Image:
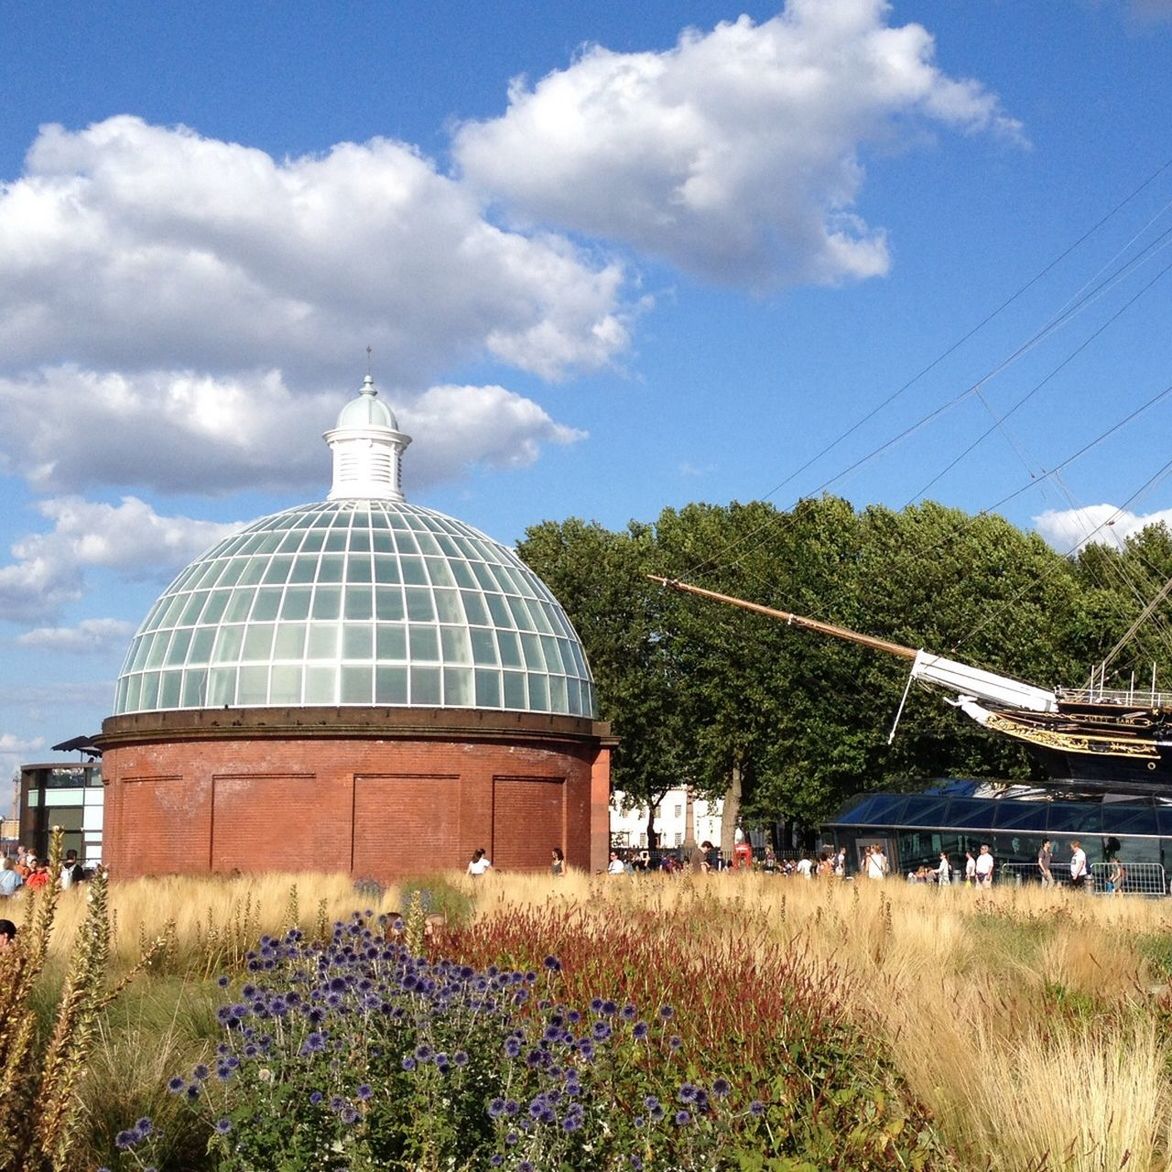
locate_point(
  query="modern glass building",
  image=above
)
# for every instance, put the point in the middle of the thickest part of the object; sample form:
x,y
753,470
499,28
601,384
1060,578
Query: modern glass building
x,y
915,828
69,796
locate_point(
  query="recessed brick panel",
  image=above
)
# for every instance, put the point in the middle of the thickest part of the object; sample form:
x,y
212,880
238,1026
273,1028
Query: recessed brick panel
x,y
527,821
247,808
406,823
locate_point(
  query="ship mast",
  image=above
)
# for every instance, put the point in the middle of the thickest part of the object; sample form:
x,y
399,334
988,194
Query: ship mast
x,y
793,620
968,684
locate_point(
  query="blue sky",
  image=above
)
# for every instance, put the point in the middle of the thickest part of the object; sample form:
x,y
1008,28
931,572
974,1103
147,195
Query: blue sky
x,y
609,258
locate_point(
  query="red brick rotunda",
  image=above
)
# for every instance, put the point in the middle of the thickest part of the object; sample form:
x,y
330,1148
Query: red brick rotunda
x,y
359,685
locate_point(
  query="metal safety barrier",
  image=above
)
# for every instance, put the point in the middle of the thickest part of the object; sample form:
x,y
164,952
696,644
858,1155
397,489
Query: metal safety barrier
x,y
1138,879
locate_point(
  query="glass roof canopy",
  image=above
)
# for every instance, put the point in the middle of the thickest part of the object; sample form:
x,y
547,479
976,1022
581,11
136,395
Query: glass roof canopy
x,y
1017,815
357,602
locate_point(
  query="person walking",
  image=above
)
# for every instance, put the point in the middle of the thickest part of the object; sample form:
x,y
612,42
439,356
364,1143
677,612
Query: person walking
x,y
557,866
984,866
1079,873
1045,855
943,871
480,863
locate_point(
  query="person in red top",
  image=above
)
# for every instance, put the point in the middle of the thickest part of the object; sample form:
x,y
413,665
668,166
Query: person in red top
x,y
38,877
743,855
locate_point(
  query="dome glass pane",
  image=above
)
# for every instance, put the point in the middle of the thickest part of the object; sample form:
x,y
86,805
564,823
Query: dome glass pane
x,y
356,602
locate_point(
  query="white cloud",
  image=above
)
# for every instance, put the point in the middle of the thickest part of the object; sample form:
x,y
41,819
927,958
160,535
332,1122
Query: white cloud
x,y
736,154
14,752
467,425
162,249
1151,11
90,636
129,538
1066,530
183,432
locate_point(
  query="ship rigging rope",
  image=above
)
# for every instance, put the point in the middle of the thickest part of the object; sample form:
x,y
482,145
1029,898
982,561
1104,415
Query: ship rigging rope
x,y
1022,400
1119,511
1071,310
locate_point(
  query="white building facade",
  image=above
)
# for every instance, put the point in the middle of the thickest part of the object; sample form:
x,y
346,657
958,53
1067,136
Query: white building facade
x,y
628,827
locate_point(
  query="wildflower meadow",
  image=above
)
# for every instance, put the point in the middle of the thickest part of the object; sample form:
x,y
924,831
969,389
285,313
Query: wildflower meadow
x,y
638,1022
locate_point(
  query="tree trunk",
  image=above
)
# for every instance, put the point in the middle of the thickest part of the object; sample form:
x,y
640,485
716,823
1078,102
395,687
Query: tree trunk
x,y
732,813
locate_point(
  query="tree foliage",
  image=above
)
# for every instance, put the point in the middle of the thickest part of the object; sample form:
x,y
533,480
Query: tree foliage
x,y
698,691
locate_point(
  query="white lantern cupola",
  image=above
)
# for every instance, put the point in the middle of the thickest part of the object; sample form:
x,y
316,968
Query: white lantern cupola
x,y
368,449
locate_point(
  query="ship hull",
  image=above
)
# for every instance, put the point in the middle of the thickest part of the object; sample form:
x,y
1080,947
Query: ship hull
x,y
1091,746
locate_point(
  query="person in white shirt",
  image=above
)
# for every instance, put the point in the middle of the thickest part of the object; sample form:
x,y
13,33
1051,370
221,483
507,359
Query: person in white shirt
x,y
805,867
943,871
480,863
616,866
970,869
876,864
1079,873
984,867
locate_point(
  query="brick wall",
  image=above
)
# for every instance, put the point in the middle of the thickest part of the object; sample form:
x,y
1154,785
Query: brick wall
x,y
383,806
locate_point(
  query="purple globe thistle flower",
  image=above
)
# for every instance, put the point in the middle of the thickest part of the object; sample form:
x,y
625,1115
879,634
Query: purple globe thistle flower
x,y
223,1125
496,1108
144,1126
364,1092
675,1042
512,1047
408,1063
315,1097
640,1031
125,1140
757,1108
423,1052
496,1160
721,1088
609,1008
629,1012
596,1005
636,1163
193,1092
223,981
687,1093
682,1118
601,1031
666,1011
460,1058
552,964
176,1085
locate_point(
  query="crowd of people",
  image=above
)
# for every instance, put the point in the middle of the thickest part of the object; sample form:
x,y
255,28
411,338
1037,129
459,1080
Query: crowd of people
x,y
978,868
26,871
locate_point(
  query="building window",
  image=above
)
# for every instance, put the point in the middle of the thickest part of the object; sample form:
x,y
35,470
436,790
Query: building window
x,y
677,811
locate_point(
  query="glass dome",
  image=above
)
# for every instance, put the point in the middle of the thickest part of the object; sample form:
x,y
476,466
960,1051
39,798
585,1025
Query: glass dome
x,y
363,602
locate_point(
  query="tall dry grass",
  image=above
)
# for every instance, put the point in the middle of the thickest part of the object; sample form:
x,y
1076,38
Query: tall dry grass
x,y
1024,1019
1030,1022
